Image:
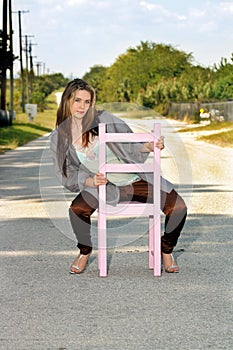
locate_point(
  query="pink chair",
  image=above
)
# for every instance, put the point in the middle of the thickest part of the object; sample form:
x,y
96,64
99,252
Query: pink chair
x,y
136,209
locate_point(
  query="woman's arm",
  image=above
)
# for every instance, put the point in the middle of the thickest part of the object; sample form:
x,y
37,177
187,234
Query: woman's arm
x,y
96,181
149,146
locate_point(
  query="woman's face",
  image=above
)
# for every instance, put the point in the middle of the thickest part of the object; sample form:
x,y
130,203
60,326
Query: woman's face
x,y
80,103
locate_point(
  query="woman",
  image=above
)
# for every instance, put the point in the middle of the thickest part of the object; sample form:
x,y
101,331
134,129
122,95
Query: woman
x,y
74,143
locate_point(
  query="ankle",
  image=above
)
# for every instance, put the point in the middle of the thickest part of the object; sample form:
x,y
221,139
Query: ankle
x,y
168,259
84,249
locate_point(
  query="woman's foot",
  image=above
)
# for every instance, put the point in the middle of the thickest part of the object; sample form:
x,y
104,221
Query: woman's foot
x,y
169,263
79,264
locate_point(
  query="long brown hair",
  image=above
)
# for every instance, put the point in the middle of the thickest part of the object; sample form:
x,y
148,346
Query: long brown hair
x,y
64,119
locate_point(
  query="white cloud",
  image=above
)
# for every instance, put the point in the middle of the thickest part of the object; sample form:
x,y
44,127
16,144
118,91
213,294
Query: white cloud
x,y
197,13
226,7
161,12
59,8
154,7
92,3
147,6
181,17
208,26
48,2
77,2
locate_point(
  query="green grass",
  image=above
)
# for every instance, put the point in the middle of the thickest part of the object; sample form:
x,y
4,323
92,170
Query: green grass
x,y
209,127
22,131
223,139
19,134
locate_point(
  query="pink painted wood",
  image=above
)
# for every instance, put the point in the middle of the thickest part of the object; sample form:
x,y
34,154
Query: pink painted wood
x,y
152,210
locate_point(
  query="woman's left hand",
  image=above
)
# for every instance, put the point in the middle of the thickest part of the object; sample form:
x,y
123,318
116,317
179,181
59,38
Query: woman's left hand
x,y
160,143
149,146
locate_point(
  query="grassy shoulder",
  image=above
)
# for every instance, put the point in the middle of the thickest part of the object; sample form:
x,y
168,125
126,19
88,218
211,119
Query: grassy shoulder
x,y
220,134
22,131
223,139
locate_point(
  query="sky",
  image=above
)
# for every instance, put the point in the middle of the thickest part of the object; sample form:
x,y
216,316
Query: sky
x,y
71,36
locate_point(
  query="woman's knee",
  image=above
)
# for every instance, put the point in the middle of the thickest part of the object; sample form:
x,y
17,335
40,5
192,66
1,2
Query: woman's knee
x,y
180,205
74,209
173,203
80,211
84,205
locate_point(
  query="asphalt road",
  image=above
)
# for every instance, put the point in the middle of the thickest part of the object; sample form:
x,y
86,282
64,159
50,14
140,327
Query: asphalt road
x,y
44,307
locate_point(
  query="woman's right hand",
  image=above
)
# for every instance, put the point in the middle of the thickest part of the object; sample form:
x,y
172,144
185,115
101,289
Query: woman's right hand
x,y
99,180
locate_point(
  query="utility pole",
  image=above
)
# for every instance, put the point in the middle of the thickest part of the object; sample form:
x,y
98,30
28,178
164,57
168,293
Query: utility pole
x,y
38,65
4,54
27,79
21,59
6,62
11,66
31,71
44,65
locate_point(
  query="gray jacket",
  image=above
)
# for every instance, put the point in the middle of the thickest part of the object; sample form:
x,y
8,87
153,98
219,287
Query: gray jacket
x,y
77,173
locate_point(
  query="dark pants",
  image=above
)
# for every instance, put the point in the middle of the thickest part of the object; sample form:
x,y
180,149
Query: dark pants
x,y
172,205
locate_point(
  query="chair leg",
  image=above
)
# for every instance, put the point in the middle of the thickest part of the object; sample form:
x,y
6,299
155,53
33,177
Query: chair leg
x,y
157,246
151,242
154,246
102,245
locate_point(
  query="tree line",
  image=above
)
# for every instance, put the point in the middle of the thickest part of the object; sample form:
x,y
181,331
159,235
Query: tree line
x,y
151,75
154,75
39,89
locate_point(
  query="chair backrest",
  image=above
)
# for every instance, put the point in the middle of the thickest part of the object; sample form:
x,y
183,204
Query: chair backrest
x,y
133,208
152,166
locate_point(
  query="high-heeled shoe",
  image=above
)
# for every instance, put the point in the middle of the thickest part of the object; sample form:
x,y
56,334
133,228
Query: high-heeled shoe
x,y
173,268
79,264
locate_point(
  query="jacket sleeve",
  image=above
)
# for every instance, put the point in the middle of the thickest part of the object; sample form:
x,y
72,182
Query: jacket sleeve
x,y
76,173
70,181
53,154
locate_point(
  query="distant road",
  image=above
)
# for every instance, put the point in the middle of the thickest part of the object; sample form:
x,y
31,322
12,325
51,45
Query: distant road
x,y
58,97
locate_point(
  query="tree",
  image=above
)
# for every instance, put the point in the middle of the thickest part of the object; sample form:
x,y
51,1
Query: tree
x,y
154,75
44,85
223,86
140,67
95,78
